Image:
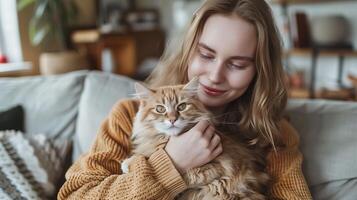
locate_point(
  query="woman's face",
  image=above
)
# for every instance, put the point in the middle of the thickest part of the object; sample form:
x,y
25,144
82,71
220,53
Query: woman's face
x,y
224,59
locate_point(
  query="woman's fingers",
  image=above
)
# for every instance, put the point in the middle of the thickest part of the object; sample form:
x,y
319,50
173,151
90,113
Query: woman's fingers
x,y
209,134
216,140
201,126
217,151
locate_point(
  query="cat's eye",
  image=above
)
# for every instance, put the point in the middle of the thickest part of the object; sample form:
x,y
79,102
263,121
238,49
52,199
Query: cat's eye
x,y
181,107
160,109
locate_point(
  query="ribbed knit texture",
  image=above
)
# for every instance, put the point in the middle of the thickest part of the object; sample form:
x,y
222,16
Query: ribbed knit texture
x,y
97,174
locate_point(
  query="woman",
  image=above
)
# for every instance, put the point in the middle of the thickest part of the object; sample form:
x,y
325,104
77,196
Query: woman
x,y
233,47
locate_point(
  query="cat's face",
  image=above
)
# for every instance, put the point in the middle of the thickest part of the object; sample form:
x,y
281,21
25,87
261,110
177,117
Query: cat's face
x,y
172,109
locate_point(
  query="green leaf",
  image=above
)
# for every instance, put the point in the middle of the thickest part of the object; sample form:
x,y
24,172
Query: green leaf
x,y
41,9
38,32
21,4
49,16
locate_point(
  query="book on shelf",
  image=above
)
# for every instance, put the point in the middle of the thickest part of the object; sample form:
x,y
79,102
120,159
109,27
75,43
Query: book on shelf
x,y
85,36
300,31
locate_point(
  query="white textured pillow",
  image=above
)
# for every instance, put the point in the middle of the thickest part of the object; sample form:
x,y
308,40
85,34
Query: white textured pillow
x,y
31,167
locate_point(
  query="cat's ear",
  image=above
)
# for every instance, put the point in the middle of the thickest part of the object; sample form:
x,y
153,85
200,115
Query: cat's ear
x,y
141,90
191,87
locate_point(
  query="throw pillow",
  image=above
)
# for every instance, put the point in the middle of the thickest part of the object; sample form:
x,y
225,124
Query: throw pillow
x,y
31,167
12,119
53,156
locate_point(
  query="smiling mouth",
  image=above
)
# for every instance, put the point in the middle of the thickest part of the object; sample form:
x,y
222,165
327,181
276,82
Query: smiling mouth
x,y
212,91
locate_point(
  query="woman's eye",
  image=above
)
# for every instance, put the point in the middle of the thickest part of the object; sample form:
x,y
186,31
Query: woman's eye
x,y
181,106
160,109
235,66
205,56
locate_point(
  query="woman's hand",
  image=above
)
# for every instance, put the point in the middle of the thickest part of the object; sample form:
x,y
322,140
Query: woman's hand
x,y
195,147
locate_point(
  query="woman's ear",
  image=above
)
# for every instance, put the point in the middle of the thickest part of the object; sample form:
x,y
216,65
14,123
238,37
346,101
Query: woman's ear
x,y
141,91
191,87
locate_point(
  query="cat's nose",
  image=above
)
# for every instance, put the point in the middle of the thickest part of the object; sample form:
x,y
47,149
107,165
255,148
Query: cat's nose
x,y
172,121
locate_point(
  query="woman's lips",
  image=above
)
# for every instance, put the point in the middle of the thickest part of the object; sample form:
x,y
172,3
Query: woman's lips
x,y
212,91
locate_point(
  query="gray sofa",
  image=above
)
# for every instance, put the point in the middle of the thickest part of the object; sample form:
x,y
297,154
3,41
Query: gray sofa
x,y
73,106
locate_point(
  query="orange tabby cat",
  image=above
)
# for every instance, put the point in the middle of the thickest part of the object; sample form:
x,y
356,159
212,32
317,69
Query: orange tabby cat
x,y
238,173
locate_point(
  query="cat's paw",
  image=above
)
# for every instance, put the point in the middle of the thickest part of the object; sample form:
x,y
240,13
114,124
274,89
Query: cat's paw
x,y
125,165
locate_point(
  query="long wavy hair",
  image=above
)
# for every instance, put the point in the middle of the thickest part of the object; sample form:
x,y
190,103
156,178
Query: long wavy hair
x,y
260,108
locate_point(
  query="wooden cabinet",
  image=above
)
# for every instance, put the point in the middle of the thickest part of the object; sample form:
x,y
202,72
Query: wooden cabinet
x,y
128,50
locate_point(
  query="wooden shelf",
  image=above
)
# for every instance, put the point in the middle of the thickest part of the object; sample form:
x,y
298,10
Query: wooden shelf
x,y
307,52
299,93
346,94
340,94
304,1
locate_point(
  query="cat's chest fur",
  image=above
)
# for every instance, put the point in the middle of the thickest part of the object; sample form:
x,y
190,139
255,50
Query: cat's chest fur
x,y
145,138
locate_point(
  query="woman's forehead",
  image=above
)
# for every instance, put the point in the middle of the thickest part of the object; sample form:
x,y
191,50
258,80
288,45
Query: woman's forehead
x,y
229,35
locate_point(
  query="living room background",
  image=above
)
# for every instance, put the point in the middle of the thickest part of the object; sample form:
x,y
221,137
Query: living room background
x,y
174,15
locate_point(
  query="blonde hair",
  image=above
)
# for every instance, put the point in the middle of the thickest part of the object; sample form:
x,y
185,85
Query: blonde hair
x,y
260,107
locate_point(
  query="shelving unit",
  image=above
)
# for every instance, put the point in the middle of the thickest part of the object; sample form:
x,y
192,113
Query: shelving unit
x,y
309,51
304,1
315,53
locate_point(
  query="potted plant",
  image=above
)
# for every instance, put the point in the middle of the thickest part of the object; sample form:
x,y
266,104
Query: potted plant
x,y
51,20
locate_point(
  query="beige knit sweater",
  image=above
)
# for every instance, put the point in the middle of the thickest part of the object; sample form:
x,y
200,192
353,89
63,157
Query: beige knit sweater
x,y
97,174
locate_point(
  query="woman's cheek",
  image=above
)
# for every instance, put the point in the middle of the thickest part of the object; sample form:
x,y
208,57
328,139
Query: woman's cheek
x,y
195,68
241,79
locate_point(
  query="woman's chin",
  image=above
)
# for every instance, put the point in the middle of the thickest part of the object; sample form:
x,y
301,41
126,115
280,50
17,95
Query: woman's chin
x,y
209,101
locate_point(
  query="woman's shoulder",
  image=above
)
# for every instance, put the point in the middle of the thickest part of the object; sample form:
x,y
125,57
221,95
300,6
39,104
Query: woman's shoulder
x,y
127,107
121,116
288,133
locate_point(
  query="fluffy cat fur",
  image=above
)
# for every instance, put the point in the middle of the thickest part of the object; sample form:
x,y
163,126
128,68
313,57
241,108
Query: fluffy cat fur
x,y
238,173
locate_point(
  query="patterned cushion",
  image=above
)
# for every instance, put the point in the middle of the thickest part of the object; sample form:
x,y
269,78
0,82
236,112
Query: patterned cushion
x,y
30,168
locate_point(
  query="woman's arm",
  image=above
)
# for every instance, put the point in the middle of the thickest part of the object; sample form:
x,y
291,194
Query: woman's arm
x,y
285,168
97,175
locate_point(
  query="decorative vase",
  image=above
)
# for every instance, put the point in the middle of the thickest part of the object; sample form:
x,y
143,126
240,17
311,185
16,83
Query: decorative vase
x,y
62,62
330,30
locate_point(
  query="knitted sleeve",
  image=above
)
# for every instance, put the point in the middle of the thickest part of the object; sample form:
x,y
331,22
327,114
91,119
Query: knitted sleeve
x,y
284,166
97,175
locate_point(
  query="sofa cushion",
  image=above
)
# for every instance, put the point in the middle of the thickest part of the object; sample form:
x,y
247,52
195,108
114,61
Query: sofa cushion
x,y
101,92
328,134
345,189
50,102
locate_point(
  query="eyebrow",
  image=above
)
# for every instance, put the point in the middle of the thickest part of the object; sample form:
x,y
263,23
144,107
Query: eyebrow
x,y
202,45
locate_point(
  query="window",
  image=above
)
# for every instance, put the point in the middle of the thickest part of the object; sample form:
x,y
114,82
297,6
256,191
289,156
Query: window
x,y
10,44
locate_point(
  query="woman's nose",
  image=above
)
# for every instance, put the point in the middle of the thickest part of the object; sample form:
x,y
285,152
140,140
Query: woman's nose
x,y
216,73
